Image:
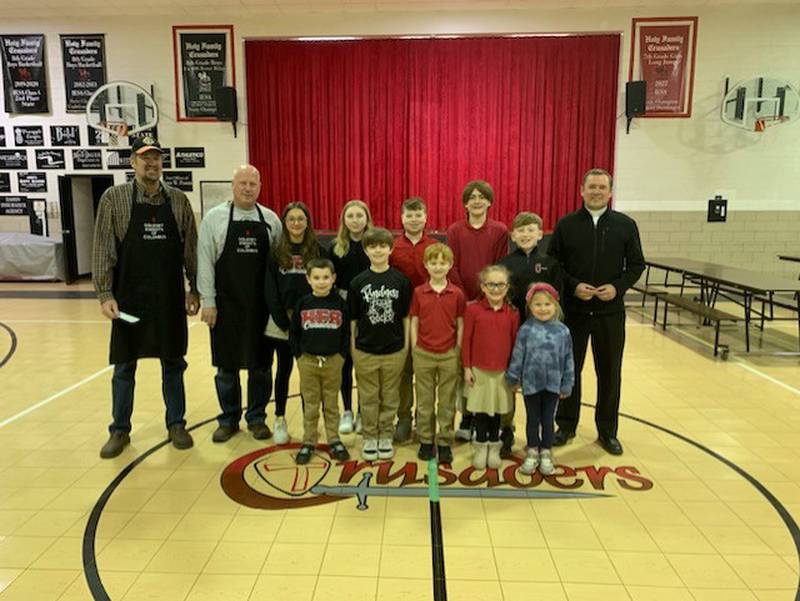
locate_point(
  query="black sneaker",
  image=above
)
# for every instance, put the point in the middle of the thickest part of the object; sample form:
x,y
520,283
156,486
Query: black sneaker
x,y
507,438
445,454
562,437
339,452
304,455
425,451
224,433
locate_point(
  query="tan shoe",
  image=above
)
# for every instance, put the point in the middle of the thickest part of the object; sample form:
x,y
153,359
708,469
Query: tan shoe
x,y
480,452
115,444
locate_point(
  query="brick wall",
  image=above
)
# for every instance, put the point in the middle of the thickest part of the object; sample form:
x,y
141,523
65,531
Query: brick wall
x,y
748,239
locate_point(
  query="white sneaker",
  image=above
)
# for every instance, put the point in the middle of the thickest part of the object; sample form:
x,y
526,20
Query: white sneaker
x,y
546,462
531,462
280,433
346,423
369,451
358,424
385,448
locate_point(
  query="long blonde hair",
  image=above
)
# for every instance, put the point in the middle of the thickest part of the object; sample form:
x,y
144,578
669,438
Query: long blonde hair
x,y
341,244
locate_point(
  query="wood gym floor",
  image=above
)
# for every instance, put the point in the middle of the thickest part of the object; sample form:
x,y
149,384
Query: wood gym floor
x,y
702,505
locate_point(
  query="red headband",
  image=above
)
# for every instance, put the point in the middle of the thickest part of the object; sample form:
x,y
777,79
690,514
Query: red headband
x,y
541,287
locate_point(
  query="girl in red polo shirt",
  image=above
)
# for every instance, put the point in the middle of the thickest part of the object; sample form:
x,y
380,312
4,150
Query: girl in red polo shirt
x,y
490,327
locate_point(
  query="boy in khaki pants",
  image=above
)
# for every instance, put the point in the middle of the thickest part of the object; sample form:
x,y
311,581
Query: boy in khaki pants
x,y
379,298
437,325
319,335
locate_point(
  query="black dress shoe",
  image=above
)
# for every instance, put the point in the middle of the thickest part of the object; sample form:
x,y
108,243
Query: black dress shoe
x,y
611,445
562,437
445,454
425,451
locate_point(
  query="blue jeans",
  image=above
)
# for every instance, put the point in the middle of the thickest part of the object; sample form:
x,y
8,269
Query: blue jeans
x,y
541,410
229,392
124,381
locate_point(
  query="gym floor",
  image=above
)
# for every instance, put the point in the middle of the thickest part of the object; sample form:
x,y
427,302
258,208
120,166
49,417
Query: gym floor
x,y
702,505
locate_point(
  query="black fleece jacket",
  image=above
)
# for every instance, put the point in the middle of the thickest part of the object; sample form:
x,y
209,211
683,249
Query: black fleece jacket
x,y
609,253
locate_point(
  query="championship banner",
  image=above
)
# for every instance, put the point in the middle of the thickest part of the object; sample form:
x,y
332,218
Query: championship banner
x,y
663,55
24,77
84,59
204,62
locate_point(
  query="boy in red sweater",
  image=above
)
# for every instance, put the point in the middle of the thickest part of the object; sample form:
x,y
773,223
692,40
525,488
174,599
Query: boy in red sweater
x,y
476,241
407,258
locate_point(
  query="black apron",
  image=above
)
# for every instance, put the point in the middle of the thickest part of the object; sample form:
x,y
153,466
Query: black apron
x,y
237,339
148,283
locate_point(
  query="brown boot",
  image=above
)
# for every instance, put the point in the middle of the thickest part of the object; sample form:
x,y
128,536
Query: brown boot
x,y
180,438
260,430
224,433
115,444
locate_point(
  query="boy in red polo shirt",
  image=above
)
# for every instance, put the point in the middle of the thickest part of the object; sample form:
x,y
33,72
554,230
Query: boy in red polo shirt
x,y
437,325
407,258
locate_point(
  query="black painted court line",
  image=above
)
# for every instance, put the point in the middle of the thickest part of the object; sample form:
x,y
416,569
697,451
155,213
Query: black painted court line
x,y
13,347
48,294
99,592
437,538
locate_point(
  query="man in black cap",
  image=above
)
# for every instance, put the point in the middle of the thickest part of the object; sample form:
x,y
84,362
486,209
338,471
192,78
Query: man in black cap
x,y
145,239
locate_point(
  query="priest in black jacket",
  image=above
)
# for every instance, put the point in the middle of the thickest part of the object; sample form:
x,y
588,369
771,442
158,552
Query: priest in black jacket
x,y
601,257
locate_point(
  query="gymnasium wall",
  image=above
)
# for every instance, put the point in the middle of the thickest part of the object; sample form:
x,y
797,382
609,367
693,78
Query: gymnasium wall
x,y
666,169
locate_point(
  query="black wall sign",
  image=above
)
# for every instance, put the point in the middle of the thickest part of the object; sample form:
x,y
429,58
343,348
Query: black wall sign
x,y
5,182
96,137
87,159
2,135
182,180
13,205
50,158
29,135
65,135
203,66
31,181
191,158
24,77
166,160
119,158
14,159
84,68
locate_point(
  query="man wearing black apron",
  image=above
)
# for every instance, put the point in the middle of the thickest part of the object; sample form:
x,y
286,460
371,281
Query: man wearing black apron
x,y
145,236
232,257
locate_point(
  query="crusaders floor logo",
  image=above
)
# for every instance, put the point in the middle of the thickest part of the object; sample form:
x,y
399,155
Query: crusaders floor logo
x,y
270,479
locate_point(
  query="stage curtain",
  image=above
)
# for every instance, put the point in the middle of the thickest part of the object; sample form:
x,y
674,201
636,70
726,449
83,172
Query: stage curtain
x,y
382,120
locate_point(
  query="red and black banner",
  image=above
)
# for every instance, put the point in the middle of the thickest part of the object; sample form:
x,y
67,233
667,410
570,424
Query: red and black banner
x,y
24,76
84,59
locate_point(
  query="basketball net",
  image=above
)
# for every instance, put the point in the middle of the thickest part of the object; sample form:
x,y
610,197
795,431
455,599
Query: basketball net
x,y
120,131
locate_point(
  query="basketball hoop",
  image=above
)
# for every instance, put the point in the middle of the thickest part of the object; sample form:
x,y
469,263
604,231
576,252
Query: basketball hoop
x,y
120,109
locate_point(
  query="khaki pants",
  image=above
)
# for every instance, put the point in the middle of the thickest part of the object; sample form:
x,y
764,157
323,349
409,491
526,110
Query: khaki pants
x,y
320,379
436,372
378,391
406,390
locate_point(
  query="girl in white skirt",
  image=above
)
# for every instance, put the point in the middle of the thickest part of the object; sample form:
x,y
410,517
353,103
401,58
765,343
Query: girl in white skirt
x,y
490,327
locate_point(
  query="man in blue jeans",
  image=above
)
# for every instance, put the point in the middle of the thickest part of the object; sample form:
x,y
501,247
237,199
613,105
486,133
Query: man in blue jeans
x,y
145,239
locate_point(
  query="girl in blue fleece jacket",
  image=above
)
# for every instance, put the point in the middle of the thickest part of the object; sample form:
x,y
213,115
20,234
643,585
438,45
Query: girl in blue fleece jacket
x,y
542,364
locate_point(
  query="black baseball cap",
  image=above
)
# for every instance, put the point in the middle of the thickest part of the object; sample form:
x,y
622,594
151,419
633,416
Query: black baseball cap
x,y
145,143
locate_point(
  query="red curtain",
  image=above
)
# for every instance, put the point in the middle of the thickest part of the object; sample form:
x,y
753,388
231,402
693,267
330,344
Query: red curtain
x,y
382,120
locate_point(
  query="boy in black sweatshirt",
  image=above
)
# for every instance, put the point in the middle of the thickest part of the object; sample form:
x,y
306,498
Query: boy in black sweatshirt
x,y
319,336
526,266
379,301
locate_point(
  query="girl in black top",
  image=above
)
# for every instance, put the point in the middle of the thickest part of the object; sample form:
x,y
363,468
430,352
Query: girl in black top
x,y
349,260
285,284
